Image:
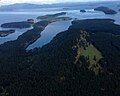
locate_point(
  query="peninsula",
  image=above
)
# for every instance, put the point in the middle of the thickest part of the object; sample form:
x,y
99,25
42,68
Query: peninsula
x,y
106,10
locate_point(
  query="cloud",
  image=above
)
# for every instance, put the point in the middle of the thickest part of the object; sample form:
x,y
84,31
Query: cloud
x,y
23,1
43,1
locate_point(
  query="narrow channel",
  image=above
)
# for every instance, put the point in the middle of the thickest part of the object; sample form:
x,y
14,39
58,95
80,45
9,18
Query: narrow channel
x,y
49,33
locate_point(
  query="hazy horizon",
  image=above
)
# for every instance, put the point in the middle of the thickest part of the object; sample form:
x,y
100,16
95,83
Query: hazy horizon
x,y
7,2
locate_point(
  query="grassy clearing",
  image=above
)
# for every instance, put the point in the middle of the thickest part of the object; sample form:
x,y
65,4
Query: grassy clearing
x,y
91,54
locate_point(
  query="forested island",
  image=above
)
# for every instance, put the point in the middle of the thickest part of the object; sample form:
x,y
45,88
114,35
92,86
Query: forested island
x,y
51,15
83,11
54,17
22,24
31,22
65,8
4,33
79,61
106,10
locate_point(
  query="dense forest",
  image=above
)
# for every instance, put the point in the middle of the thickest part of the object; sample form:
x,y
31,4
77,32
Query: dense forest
x,y
81,61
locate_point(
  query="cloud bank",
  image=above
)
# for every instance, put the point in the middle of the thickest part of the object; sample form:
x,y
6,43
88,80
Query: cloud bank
x,y
45,1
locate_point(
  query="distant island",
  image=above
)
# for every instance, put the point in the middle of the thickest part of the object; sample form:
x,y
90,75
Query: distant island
x,y
54,17
31,20
65,8
22,24
51,15
4,33
106,10
83,11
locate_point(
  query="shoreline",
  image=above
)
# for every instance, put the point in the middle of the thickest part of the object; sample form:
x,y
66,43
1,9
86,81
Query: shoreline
x,y
4,33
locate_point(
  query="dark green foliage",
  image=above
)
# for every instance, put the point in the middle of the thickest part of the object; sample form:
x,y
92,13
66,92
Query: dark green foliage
x,y
97,25
83,11
94,58
24,24
106,10
4,33
50,70
51,16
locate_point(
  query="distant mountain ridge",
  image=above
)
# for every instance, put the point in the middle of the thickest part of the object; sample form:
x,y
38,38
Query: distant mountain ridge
x,y
21,6
16,6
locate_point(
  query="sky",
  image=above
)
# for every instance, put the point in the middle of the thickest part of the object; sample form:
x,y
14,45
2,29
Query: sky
x,y
44,1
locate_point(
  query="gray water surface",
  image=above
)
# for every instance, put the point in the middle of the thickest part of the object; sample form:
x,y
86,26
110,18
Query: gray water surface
x,y
23,15
50,31
14,35
57,27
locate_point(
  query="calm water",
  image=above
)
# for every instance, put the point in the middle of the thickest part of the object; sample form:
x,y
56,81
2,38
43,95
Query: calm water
x,y
13,36
6,17
55,28
52,29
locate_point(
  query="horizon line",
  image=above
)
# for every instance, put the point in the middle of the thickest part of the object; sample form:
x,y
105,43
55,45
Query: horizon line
x,y
55,2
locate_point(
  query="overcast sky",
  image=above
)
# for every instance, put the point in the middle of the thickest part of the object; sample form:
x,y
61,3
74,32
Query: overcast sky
x,y
44,1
